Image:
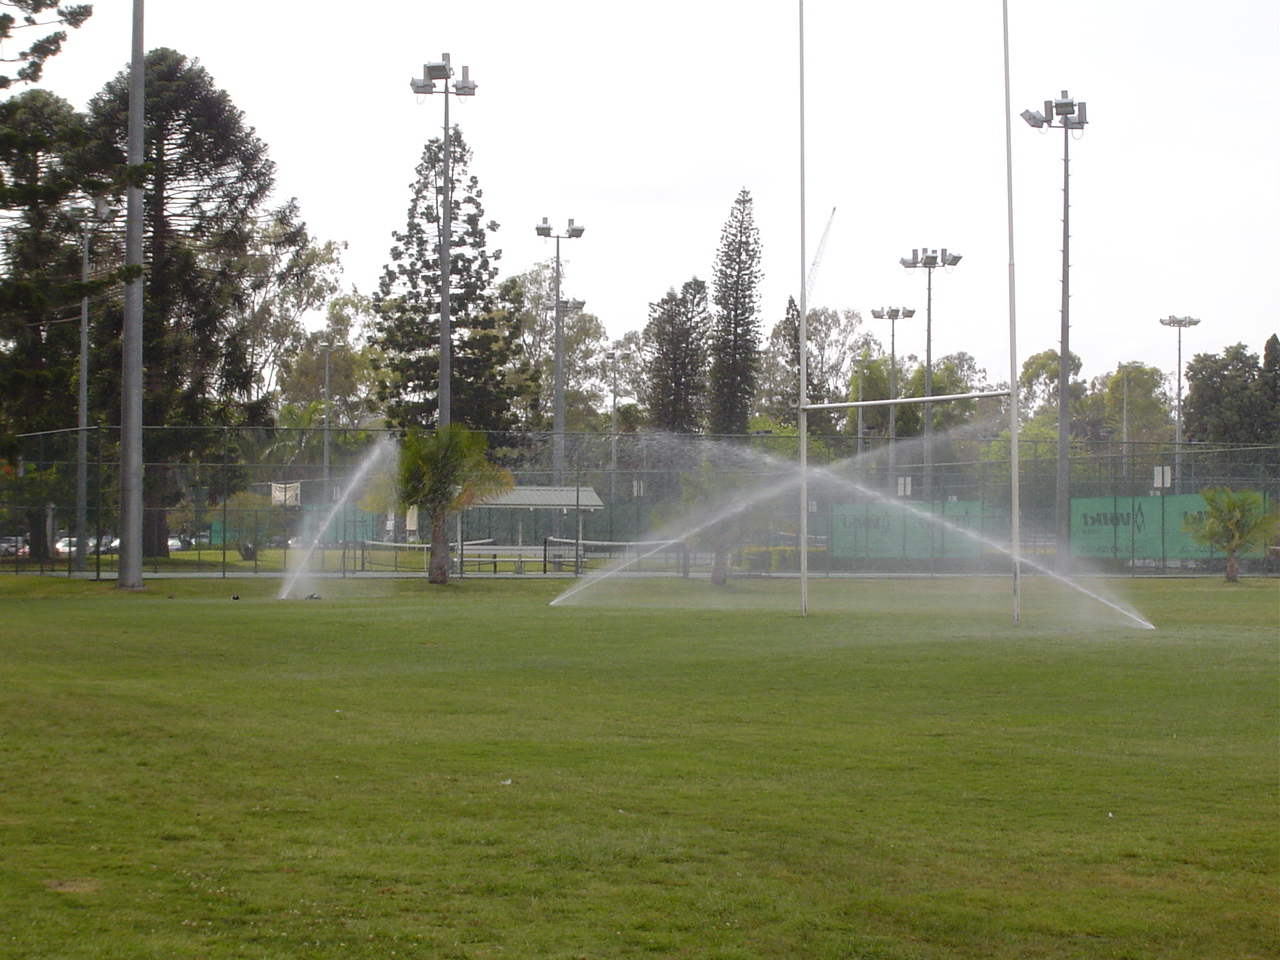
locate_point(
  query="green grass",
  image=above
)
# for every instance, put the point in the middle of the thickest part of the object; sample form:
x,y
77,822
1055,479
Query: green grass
x,y
405,771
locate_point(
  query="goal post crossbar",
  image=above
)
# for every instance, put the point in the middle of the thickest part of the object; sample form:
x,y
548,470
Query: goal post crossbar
x,y
851,404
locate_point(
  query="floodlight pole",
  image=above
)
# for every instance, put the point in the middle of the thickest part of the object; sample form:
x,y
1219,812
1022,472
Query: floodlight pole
x,y
101,212
1179,324
328,494
572,232
1015,520
466,87
82,419
930,260
802,415
129,572
1071,119
892,314
613,356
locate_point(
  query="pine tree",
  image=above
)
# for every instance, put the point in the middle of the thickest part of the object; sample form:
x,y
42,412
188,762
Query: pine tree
x,y
39,290
488,376
674,359
33,57
206,181
735,335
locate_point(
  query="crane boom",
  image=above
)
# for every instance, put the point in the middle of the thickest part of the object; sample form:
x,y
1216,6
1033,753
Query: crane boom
x,y
817,258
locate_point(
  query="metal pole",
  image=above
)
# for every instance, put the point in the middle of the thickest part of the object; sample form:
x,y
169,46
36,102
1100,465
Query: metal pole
x,y
928,389
861,370
893,410
1015,533
613,441
557,402
328,495
444,390
129,576
1124,426
802,414
82,438
1063,494
1177,427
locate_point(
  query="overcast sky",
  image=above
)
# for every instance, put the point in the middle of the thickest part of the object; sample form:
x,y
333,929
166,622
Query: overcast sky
x,y
643,121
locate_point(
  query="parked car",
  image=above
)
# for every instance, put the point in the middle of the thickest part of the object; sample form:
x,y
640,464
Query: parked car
x,y
13,547
175,543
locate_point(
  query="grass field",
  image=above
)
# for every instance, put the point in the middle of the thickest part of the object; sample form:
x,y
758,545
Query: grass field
x,y
405,771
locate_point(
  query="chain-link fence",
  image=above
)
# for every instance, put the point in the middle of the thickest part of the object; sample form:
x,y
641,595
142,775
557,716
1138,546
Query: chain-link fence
x,y
233,501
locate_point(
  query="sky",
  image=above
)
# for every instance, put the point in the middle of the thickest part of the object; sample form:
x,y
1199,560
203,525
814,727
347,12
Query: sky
x,y
643,122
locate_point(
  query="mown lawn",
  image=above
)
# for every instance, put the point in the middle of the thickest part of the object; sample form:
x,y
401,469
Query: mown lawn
x,y
405,771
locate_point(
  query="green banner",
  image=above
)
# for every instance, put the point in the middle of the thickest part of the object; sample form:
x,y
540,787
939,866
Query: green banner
x,y
1141,528
904,531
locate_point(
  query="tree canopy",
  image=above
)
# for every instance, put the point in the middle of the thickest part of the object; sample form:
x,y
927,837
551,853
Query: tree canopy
x,y
488,377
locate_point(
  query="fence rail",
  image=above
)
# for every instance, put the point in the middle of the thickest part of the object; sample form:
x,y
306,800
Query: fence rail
x,y
252,500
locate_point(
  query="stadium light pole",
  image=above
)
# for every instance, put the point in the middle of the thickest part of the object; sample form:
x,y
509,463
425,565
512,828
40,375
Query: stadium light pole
x,y
99,212
466,87
613,356
929,260
1179,324
328,494
129,571
1071,116
892,314
572,232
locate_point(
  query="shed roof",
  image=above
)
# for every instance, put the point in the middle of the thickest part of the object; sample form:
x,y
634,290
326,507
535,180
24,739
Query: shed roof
x,y
547,498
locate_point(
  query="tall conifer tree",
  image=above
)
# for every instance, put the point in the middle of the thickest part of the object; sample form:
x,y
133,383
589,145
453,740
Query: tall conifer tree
x,y
734,345
674,359
488,376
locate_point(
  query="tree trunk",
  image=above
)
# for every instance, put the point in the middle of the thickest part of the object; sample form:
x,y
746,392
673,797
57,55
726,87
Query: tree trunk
x,y
439,567
720,565
1233,568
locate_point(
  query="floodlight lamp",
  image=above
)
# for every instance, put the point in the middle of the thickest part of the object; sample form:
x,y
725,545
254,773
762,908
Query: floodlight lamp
x,y
611,356
466,87
907,313
929,259
1034,117
439,70
421,87
544,228
83,213
104,211
950,259
909,264
878,313
1064,107
575,231
894,313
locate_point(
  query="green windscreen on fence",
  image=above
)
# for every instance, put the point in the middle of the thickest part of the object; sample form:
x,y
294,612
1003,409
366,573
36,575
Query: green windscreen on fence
x,y
1142,528
955,530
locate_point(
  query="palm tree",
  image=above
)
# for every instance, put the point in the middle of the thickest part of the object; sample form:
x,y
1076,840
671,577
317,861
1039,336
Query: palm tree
x,y
441,473
1233,520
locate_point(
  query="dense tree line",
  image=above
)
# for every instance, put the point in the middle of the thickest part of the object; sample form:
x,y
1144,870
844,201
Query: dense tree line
x,y
227,275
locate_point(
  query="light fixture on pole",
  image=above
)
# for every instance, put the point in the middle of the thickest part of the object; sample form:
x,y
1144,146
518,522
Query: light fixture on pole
x,y
1070,116
100,212
929,260
466,87
892,314
572,232
1180,324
